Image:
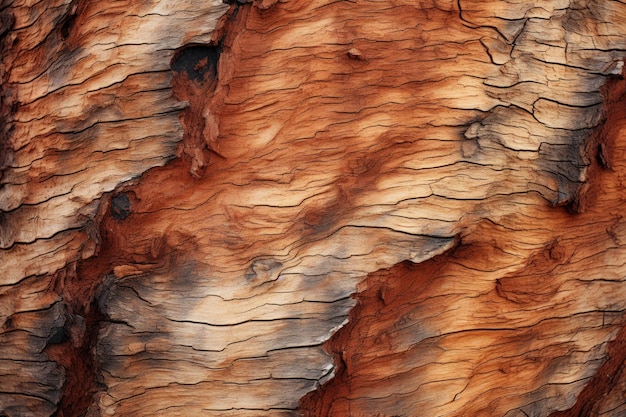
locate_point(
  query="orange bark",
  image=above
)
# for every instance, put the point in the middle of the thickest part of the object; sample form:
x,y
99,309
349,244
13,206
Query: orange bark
x,y
188,206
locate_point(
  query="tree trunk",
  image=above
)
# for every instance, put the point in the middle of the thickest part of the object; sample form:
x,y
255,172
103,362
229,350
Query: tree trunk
x,y
317,208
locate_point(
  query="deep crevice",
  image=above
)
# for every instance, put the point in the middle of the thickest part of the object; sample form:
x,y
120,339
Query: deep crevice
x,y
197,61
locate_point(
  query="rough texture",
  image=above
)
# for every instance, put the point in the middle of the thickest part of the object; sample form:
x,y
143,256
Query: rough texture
x,y
87,105
187,208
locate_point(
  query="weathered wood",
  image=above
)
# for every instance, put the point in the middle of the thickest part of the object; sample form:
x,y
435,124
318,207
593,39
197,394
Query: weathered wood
x,y
87,105
188,207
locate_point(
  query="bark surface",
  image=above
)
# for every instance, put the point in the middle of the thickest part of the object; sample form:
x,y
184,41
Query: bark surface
x,y
320,208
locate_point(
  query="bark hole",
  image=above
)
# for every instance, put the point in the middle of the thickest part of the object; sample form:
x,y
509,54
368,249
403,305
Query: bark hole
x,y
6,22
120,206
385,296
58,336
197,61
195,81
67,25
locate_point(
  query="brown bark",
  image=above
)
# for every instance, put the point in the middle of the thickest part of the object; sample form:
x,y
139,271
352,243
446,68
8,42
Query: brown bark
x,y
312,208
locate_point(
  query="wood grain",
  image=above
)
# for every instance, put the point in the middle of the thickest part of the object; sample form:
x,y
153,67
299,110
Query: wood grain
x,y
87,106
188,207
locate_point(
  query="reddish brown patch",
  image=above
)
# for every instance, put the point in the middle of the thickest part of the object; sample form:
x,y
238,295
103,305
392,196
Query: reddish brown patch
x,y
388,295
195,148
609,374
601,147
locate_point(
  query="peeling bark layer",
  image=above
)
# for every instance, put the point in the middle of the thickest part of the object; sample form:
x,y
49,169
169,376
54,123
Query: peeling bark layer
x,y
86,106
188,206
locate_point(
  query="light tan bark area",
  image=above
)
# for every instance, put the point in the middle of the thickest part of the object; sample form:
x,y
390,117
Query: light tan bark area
x,y
184,241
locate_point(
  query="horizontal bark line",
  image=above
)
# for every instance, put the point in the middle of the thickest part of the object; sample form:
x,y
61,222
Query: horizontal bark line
x,y
347,154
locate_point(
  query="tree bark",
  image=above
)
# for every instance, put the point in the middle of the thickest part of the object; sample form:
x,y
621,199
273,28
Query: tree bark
x,y
318,208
